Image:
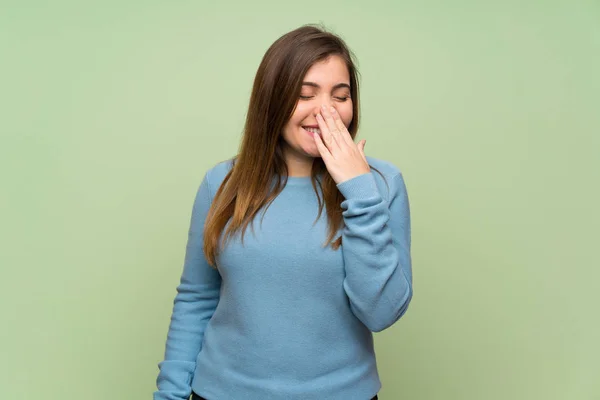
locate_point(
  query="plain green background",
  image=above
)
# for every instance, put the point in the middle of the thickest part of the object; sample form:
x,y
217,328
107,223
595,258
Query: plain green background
x,y
111,113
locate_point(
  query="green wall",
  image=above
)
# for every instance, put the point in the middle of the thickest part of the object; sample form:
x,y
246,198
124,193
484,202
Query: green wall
x,y
112,112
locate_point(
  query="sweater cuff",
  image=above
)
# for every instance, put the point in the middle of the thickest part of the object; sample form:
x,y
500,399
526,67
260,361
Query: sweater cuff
x,y
175,377
360,187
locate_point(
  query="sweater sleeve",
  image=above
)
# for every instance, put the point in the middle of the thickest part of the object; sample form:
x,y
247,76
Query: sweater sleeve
x,y
195,302
376,242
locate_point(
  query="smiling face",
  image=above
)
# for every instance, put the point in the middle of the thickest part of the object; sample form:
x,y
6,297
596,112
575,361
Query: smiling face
x,y
326,83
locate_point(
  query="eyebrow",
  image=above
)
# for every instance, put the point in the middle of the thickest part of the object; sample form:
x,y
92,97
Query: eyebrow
x,y
339,85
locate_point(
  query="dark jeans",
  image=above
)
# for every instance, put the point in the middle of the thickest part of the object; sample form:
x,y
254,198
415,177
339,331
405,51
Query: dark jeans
x,y
196,397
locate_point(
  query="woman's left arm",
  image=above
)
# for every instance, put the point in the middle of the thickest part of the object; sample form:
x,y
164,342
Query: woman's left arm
x,y
376,241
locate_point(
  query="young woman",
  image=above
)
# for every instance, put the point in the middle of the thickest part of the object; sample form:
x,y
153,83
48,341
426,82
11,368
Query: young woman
x,y
286,309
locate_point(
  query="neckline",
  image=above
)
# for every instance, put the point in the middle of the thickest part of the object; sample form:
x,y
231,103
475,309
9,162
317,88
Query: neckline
x,y
299,180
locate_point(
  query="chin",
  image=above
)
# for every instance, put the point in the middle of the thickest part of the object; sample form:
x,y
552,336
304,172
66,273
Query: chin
x,y
314,153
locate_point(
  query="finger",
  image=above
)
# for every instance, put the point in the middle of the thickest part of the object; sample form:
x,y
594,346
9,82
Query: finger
x,y
344,134
328,139
361,145
361,148
328,116
325,154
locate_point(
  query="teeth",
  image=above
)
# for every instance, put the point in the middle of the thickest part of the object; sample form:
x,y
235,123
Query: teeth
x,y
314,130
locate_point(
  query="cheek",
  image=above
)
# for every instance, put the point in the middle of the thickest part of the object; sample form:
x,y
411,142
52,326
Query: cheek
x,y
346,113
293,122
300,114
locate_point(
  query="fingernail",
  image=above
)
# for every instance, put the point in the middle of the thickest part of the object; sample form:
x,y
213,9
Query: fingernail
x,y
332,110
324,107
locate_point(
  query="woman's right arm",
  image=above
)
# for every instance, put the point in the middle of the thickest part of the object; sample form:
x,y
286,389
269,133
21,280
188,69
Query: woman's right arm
x,y
195,302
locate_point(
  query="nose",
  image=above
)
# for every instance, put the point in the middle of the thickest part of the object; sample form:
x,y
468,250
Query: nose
x,y
327,103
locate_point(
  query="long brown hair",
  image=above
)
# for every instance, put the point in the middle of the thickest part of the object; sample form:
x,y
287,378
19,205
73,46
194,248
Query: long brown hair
x,y
248,186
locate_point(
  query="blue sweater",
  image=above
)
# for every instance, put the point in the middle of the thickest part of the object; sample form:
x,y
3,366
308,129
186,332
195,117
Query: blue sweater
x,y
285,318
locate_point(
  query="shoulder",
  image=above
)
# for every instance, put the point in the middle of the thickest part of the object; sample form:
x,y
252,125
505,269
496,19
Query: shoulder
x,y
388,169
391,180
216,174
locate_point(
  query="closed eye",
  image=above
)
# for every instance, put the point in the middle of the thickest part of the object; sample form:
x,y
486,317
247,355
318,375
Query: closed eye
x,y
337,98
